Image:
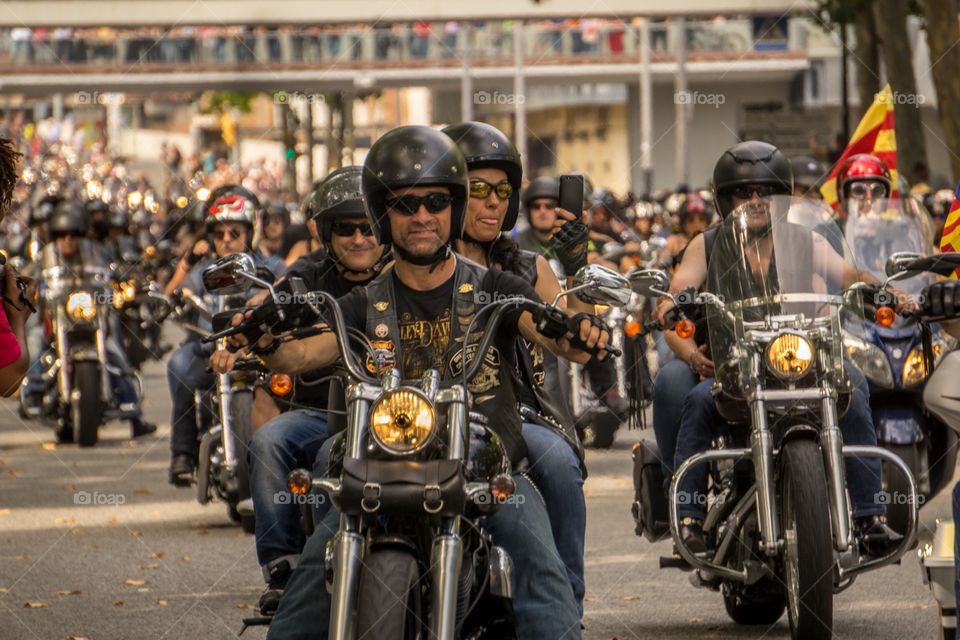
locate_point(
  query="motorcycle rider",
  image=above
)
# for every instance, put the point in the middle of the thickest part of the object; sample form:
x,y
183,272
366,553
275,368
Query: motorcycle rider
x,y
808,173
276,219
67,230
540,200
415,188
231,211
863,179
350,257
746,173
495,174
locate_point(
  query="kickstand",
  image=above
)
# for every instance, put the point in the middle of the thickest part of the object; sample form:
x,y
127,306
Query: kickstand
x,y
259,621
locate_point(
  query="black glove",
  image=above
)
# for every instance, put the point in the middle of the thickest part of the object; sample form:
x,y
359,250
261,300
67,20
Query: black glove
x,y
942,300
193,258
570,246
573,330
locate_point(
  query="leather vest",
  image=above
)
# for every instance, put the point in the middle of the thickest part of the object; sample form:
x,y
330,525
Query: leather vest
x,y
493,388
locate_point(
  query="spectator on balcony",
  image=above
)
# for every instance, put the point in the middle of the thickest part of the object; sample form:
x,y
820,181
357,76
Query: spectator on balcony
x,y
22,45
450,32
419,39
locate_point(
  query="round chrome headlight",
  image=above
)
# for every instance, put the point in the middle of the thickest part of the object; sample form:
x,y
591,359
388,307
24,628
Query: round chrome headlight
x,y
80,305
402,421
789,356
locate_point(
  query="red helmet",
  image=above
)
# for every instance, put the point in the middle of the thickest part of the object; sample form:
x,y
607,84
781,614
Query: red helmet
x,y
863,166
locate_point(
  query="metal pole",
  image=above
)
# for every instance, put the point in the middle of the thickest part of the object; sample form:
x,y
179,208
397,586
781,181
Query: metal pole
x,y
646,108
519,92
466,81
680,99
844,82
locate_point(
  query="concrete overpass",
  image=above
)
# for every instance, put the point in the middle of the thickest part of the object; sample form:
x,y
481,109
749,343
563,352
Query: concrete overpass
x,y
54,13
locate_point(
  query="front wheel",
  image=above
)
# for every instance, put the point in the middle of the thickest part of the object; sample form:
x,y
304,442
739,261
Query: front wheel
x,y
389,603
808,548
86,411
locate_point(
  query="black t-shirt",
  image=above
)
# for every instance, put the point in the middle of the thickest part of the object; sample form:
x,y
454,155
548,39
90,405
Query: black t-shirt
x,y
425,320
292,235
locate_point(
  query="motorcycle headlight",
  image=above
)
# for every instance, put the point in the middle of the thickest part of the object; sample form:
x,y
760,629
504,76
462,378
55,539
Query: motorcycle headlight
x,y
870,359
915,369
789,356
402,421
80,306
129,290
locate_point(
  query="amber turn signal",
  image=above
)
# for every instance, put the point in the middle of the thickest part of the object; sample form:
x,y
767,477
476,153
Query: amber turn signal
x,y
632,328
685,329
281,384
885,316
299,482
502,487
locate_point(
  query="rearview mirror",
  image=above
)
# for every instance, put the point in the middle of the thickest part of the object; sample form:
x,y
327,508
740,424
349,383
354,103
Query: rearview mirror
x,y
648,282
899,262
595,284
231,274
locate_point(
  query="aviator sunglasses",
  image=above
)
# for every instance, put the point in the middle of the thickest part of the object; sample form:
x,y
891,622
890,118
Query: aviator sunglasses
x,y
347,229
482,188
409,204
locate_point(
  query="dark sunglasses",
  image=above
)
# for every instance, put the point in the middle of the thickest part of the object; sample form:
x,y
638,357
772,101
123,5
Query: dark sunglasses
x,y
481,189
543,205
347,229
409,204
861,189
746,191
220,235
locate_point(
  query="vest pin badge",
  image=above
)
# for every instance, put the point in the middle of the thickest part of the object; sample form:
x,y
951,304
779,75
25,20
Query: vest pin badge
x,y
381,330
465,288
381,306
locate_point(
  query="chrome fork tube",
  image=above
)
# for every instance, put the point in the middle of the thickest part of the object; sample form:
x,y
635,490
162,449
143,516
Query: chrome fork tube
x,y
832,443
63,377
761,448
226,433
347,559
445,563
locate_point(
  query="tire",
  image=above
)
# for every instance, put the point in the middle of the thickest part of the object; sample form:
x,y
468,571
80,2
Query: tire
x,y
761,603
808,562
86,421
133,341
898,510
389,602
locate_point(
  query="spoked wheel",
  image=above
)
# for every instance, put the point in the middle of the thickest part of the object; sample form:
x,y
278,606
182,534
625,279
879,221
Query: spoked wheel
x,y
389,603
808,548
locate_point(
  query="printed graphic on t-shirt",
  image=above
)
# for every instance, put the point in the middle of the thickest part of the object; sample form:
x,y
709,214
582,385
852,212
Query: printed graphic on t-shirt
x,y
423,342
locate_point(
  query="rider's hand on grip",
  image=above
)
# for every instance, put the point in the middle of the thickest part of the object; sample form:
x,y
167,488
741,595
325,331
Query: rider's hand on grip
x,y
941,300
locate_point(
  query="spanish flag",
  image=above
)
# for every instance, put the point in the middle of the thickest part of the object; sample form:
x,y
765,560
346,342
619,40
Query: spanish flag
x,y
875,134
950,239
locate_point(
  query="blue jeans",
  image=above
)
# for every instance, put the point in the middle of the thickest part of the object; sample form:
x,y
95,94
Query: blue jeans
x,y
542,600
670,388
187,372
555,469
956,547
289,441
701,421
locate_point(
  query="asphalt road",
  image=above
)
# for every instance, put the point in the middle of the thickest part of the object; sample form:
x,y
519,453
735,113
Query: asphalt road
x,y
95,544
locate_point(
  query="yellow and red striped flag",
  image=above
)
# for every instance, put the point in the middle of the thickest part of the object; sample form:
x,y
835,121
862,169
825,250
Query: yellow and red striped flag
x,y
950,238
875,134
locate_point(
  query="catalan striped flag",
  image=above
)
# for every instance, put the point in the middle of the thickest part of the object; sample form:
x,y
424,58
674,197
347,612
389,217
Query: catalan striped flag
x,y
875,134
950,239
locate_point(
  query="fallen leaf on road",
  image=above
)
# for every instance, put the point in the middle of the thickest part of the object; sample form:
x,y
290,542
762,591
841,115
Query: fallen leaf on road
x,y
143,590
70,520
77,638
76,530
35,604
157,554
142,492
118,603
589,599
69,592
242,605
49,446
203,532
69,487
135,583
630,598
152,565
692,620
21,557
162,603
185,558
137,534
114,520
13,472
4,590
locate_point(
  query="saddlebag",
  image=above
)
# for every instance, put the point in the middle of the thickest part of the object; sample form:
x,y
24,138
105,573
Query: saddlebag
x,y
649,504
402,487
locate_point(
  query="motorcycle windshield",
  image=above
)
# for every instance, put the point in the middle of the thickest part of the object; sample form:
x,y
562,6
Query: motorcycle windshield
x,y
85,264
878,228
778,263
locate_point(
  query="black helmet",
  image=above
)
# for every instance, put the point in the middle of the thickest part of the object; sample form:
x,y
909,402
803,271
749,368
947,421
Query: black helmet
x,y
411,156
231,203
43,209
277,210
97,205
485,147
541,187
69,218
606,199
751,162
336,196
808,172
118,219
